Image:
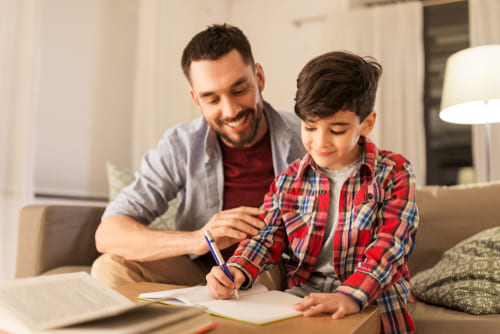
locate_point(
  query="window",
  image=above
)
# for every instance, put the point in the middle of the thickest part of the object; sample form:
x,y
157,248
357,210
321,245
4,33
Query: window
x,y
446,31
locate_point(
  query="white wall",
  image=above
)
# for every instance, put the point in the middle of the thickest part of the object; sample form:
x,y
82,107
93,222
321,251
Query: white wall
x,y
281,46
86,90
91,102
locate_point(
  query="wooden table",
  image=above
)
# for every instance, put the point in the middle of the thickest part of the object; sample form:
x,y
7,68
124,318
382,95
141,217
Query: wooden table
x,y
365,322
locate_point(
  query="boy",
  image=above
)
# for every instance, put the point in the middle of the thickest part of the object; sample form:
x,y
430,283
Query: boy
x,y
344,195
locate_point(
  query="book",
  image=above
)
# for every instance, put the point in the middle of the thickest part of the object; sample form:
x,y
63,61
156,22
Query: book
x,y
77,303
257,306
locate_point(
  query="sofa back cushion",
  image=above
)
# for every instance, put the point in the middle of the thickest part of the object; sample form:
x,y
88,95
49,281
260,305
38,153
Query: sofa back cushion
x,y
450,214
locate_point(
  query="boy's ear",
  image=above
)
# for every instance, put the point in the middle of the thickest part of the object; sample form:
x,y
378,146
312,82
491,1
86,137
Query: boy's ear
x,y
368,123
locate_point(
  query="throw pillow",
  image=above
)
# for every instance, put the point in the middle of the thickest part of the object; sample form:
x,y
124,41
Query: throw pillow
x,y
467,278
119,177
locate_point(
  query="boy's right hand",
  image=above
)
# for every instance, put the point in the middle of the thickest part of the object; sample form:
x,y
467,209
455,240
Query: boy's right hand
x,y
220,286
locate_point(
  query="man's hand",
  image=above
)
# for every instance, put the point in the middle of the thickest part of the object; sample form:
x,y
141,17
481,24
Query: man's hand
x,y
220,286
338,304
231,226
412,299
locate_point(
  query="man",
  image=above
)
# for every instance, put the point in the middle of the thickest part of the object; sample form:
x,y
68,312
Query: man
x,y
219,166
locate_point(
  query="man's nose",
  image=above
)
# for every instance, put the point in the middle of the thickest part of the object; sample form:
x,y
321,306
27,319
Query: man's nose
x,y
230,108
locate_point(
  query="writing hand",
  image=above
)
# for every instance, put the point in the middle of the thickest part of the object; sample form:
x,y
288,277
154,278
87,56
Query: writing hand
x,y
220,286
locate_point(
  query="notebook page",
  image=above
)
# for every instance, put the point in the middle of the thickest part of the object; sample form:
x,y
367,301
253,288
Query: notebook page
x,y
257,309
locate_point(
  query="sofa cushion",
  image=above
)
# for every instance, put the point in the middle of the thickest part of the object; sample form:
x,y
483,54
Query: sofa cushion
x,y
467,277
431,319
450,214
119,178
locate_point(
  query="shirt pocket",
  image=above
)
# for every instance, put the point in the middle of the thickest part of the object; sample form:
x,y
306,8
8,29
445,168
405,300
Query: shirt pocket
x,y
366,204
296,213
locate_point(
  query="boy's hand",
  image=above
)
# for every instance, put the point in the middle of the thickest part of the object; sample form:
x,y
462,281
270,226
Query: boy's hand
x,y
220,286
412,299
338,304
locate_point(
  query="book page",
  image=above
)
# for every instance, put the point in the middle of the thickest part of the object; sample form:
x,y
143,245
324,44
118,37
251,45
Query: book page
x,y
256,306
58,300
257,309
196,295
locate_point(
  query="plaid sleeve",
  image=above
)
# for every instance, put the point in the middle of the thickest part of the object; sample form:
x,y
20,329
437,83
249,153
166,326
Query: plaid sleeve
x,y
253,254
386,255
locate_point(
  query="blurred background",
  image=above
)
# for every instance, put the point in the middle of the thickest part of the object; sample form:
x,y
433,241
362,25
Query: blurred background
x,y
86,82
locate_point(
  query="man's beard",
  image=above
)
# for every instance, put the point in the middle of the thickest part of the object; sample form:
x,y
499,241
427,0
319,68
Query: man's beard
x,y
245,141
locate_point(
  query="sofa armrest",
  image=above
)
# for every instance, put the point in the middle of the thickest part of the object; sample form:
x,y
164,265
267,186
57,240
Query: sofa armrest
x,y
51,236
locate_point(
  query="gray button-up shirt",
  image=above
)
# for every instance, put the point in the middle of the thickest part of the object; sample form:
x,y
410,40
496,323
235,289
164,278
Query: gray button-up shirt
x,y
187,163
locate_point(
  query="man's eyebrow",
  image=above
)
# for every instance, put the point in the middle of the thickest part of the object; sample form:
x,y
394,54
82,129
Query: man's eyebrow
x,y
238,82
205,94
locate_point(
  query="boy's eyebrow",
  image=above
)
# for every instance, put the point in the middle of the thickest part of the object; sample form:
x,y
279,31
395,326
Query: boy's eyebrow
x,y
235,84
332,123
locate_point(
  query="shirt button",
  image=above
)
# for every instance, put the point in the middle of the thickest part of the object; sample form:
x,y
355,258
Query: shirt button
x,y
317,228
296,207
322,192
370,196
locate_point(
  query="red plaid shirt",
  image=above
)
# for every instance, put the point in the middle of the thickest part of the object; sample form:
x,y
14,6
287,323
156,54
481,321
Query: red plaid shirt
x,y
378,220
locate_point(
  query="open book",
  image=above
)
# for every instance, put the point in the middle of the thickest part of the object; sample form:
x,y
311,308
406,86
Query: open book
x,y
256,306
77,303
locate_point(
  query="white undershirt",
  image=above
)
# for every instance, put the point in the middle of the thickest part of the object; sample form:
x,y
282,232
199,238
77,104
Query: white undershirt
x,y
323,274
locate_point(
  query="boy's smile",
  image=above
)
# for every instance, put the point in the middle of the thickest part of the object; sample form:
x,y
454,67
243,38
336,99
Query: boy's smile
x,y
333,141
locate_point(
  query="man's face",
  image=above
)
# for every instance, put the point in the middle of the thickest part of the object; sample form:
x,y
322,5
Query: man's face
x,y
228,93
333,141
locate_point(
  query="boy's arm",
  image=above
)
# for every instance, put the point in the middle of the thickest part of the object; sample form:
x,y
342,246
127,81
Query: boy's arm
x,y
266,247
386,256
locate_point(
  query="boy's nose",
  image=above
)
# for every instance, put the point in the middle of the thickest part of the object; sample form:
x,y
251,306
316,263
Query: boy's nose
x,y
322,139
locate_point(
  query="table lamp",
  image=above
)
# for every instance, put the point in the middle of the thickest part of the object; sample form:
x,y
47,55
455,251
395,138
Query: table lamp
x,y
471,90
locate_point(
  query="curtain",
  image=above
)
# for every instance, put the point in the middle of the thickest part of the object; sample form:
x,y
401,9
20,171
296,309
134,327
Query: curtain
x,y
161,93
393,35
484,28
18,90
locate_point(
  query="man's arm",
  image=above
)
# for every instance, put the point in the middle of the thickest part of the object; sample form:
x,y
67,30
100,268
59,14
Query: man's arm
x,y
126,237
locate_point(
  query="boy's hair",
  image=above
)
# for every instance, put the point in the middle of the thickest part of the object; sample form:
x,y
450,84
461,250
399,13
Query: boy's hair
x,y
214,42
337,81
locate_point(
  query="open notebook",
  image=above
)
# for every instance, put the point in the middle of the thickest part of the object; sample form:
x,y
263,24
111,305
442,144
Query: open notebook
x,y
257,306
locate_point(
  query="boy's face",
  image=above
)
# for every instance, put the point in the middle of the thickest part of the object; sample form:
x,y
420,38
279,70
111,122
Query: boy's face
x,y
333,141
228,93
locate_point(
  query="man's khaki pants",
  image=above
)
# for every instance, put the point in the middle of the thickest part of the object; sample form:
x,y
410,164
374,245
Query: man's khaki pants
x,y
114,270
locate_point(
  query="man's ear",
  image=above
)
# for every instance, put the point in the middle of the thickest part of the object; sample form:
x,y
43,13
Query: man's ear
x,y
368,123
261,79
195,97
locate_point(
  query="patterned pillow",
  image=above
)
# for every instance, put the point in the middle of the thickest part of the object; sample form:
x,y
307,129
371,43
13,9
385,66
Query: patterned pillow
x,y
119,177
467,278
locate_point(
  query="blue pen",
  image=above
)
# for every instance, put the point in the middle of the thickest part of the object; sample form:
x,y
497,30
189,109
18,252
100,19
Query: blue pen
x,y
218,258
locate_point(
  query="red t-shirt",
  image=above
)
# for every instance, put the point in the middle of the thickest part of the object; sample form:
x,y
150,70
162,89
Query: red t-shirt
x,y
248,173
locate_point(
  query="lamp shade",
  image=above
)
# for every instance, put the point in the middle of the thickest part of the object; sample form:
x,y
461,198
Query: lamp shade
x,y
471,88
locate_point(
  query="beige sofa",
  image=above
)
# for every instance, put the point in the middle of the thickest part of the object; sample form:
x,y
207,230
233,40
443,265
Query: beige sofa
x,y
54,239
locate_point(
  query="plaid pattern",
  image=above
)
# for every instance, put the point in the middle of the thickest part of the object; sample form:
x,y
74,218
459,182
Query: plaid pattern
x,y
378,219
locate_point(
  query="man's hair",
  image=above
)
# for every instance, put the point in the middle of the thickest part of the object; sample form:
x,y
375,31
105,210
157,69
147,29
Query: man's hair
x,y
214,42
337,81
